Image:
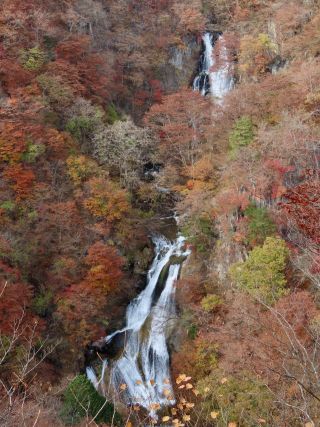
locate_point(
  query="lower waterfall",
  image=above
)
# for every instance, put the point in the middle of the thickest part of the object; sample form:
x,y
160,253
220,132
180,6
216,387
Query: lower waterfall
x,y
142,372
144,366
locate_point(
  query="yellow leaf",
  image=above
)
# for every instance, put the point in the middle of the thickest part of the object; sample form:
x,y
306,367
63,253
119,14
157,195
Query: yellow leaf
x,y
181,378
232,424
181,386
188,378
224,380
196,392
190,405
214,414
123,386
173,411
207,389
129,424
152,382
186,418
138,382
154,406
166,381
309,424
180,406
165,419
182,400
136,408
262,421
175,421
166,392
189,386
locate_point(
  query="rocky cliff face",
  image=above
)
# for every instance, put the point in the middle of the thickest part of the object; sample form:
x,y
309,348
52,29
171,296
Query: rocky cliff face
x,y
182,65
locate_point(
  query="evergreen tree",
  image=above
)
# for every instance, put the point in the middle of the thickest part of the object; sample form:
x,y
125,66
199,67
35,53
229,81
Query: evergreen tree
x,y
81,398
242,134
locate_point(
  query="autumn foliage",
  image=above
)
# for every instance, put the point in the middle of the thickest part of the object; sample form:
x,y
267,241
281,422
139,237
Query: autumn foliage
x,y
301,205
83,302
100,136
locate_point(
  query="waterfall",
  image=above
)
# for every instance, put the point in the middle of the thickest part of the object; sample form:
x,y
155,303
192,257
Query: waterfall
x,y
144,365
201,82
215,72
142,372
141,375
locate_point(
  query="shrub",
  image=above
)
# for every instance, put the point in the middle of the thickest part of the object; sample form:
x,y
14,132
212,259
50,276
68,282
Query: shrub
x,y
189,323
80,127
8,206
192,331
84,121
49,42
42,302
242,134
112,114
206,357
33,152
260,225
242,400
107,200
262,274
200,232
80,168
33,59
211,302
56,91
80,398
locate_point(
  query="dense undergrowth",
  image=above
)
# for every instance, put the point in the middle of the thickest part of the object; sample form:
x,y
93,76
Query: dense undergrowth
x,y
91,92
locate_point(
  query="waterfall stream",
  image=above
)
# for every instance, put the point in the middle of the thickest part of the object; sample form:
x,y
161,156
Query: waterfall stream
x,y
144,365
142,372
213,78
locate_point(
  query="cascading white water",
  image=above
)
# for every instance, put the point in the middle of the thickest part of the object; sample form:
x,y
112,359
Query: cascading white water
x,y
143,368
142,372
201,82
144,365
211,79
221,79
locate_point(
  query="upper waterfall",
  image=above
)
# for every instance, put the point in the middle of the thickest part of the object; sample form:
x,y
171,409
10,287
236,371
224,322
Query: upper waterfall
x,y
215,74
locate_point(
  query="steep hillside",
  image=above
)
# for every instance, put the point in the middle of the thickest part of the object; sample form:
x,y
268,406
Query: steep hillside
x,y
101,135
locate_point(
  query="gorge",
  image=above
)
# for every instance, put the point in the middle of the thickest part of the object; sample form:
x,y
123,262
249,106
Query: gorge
x,y
141,374
159,213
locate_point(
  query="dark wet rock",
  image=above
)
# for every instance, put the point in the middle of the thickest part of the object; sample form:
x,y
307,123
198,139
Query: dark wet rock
x,y
106,349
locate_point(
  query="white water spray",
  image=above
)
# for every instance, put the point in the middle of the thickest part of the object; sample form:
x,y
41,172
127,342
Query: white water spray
x,y
144,365
217,81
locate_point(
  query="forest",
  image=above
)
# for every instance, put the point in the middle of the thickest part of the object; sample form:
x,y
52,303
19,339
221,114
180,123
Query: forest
x,y
103,142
